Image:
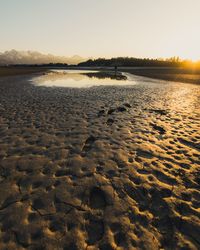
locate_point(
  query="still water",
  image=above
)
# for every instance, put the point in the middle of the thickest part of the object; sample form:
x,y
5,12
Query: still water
x,y
81,79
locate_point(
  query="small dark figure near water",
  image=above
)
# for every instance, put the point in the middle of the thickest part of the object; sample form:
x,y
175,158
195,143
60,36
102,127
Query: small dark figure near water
x,y
115,70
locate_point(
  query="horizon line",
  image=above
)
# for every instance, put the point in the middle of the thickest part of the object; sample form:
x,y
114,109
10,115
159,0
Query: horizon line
x,y
181,59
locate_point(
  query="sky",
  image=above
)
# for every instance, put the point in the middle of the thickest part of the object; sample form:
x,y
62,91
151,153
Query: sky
x,y
102,28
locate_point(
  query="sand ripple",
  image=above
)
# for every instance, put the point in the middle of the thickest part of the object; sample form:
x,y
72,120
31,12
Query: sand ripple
x,y
99,168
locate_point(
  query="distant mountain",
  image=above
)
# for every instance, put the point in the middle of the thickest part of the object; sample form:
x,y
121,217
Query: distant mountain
x,y
34,57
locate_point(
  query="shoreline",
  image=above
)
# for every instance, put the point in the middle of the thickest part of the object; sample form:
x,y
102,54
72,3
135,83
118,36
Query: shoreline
x,y
167,74
20,71
171,75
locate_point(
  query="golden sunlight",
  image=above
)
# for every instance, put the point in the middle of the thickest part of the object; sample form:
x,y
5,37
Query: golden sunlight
x,y
100,124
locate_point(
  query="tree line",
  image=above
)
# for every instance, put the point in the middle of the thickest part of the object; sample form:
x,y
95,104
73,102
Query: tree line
x,y
135,62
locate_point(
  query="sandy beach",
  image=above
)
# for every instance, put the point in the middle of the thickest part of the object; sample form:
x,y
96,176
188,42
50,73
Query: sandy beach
x,y
101,167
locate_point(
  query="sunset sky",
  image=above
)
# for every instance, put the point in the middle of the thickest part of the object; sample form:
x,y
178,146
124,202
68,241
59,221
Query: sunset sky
x,y
102,28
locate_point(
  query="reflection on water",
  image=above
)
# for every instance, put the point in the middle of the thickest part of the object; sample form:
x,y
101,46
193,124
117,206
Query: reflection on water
x,y
105,75
80,79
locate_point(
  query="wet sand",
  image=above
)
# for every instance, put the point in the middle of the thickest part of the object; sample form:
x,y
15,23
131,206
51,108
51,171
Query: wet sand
x,y
186,75
99,168
20,70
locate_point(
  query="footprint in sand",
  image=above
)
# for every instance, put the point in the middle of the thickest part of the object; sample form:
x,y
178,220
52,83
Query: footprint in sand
x,y
101,112
127,105
159,111
145,154
109,122
95,225
121,109
97,199
95,230
160,129
110,111
88,144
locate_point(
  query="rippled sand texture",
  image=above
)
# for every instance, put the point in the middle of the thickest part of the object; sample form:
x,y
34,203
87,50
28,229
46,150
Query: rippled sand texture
x,y
99,168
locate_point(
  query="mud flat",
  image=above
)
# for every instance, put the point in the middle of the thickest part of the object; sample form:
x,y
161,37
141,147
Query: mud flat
x,y
169,74
101,167
20,70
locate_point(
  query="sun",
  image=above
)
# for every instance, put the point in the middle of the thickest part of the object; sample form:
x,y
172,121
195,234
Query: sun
x,y
192,55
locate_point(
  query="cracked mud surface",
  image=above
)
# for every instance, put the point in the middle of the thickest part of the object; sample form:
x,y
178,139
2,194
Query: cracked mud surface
x,y
99,168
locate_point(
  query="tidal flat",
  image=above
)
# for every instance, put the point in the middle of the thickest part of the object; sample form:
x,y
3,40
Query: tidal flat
x,y
103,167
